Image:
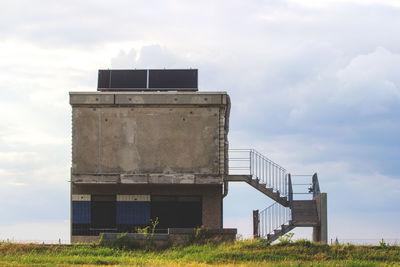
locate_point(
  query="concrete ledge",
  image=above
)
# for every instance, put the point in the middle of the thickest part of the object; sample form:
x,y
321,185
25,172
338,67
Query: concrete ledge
x,y
148,98
158,178
169,99
238,178
186,231
229,231
90,98
171,178
208,179
305,223
95,178
135,236
134,179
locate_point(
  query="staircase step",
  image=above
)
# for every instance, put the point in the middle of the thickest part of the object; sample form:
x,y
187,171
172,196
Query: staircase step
x,y
306,223
278,233
269,189
269,192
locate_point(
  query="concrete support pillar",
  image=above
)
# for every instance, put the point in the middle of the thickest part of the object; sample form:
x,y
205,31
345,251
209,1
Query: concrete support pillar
x,y
320,233
256,222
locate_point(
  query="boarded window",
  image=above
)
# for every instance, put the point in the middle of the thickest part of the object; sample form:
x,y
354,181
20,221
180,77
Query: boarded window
x,y
177,211
103,211
133,212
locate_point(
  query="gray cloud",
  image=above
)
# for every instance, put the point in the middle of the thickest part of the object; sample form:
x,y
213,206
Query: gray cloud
x,y
316,88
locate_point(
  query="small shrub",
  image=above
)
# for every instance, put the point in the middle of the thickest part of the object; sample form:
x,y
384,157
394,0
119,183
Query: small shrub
x,y
144,230
101,238
154,225
383,244
286,239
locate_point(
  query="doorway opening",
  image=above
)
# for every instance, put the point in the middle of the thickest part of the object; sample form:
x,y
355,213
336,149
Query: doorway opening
x,y
103,212
177,211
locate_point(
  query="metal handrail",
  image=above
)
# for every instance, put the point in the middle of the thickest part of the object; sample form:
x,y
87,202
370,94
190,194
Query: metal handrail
x,y
312,186
272,218
251,162
290,189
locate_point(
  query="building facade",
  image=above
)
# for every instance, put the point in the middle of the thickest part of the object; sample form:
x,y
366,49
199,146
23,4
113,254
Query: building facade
x,y
147,150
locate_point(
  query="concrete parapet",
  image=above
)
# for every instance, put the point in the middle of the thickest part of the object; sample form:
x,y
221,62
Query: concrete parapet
x,y
148,98
178,178
91,98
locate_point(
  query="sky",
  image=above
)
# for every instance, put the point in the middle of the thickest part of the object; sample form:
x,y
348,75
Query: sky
x,y
315,86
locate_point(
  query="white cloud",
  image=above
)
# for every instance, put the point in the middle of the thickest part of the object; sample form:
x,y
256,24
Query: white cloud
x,y
13,157
327,3
314,85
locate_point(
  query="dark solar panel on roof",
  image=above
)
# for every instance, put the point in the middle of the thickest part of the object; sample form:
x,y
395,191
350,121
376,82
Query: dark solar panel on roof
x,y
173,79
148,80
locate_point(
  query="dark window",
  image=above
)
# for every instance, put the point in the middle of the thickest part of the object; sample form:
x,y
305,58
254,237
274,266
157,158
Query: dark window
x,y
177,211
103,211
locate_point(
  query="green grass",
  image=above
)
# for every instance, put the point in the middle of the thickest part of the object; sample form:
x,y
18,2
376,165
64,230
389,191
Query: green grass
x,y
240,253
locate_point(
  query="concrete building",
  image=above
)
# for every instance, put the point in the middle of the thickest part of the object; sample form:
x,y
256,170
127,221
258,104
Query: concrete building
x,y
144,153
149,146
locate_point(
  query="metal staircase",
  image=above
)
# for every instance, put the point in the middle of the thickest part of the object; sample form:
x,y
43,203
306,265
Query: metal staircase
x,y
263,174
285,214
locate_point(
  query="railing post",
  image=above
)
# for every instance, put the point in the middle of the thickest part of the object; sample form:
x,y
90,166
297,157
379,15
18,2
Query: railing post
x,y
290,190
251,163
256,223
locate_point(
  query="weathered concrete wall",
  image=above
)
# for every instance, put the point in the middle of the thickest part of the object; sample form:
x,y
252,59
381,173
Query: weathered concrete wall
x,y
148,133
211,195
145,140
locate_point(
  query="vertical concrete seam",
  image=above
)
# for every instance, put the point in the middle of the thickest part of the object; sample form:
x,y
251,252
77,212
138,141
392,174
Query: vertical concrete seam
x,y
70,185
221,140
227,109
100,143
72,138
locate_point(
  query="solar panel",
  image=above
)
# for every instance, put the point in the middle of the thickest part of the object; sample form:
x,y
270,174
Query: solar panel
x,y
122,79
148,80
173,79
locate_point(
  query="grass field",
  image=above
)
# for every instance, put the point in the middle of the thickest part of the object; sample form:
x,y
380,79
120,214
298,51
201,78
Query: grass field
x,y
240,253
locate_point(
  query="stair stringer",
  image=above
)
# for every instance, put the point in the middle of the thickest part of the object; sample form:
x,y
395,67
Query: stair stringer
x,y
285,228
260,187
